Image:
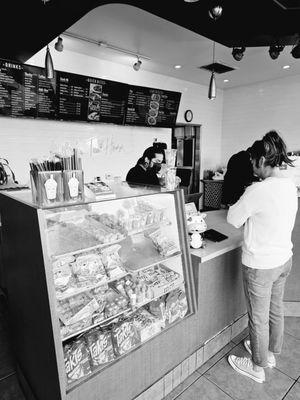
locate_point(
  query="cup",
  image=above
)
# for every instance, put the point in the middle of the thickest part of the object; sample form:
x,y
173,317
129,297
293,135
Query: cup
x,y
170,178
73,185
46,187
170,155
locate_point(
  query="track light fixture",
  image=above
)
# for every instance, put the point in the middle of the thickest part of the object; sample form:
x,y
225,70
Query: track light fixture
x,y
296,50
238,53
137,65
215,12
49,69
59,44
274,51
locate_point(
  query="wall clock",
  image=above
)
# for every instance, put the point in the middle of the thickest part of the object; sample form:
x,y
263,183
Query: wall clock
x,y
188,115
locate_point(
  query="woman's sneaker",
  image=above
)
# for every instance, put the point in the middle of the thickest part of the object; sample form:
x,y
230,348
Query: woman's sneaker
x,y
271,358
244,366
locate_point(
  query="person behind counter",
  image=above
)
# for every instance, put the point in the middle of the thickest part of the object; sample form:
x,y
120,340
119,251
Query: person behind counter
x,y
146,169
238,176
268,210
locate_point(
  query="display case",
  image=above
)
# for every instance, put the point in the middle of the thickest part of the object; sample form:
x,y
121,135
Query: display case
x,y
90,285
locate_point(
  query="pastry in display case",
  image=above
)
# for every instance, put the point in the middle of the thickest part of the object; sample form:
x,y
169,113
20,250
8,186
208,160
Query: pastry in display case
x,y
117,276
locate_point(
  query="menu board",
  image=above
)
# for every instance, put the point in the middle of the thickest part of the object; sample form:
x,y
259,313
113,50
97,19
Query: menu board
x,y
25,91
151,107
73,95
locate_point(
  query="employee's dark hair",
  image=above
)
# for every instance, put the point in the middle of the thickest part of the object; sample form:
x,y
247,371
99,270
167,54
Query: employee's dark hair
x,y
273,148
150,154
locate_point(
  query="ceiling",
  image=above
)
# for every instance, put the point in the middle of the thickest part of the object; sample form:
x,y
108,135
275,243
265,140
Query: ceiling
x,y
168,33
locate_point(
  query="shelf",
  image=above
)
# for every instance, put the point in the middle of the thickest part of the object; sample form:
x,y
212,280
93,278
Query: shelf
x,y
167,290
98,246
65,296
103,322
103,245
171,286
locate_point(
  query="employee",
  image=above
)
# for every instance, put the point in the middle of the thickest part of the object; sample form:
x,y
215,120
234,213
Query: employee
x,y
146,169
238,176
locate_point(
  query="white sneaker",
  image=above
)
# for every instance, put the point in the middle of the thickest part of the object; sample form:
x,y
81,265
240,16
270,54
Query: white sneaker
x,y
271,358
244,366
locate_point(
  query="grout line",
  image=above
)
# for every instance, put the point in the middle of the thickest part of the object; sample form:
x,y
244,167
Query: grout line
x,y
289,390
235,345
7,376
222,390
179,394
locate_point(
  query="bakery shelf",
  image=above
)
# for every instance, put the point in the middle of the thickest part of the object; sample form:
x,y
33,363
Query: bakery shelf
x,y
103,322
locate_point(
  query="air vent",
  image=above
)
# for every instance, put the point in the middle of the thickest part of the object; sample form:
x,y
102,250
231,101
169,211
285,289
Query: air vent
x,y
217,68
288,4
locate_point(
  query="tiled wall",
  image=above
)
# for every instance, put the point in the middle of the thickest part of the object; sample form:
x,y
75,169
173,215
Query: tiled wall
x,y
187,367
251,111
22,139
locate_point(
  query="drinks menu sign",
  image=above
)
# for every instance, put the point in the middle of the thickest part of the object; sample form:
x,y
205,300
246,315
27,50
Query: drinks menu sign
x,y
25,91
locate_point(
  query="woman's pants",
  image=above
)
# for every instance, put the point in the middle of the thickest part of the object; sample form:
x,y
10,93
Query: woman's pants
x,y
264,289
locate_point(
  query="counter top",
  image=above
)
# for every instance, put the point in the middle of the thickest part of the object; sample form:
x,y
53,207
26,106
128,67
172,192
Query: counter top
x,y
217,220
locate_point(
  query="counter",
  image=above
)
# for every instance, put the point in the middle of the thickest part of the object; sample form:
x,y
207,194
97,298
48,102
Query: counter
x,y
217,221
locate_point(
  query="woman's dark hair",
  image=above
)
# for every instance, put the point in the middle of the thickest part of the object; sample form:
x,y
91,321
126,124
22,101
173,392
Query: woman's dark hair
x,y
273,148
150,154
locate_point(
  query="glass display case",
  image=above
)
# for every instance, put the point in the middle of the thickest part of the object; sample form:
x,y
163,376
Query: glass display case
x,y
117,274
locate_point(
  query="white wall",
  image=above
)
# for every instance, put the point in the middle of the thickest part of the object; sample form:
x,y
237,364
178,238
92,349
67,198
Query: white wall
x,y
118,146
251,111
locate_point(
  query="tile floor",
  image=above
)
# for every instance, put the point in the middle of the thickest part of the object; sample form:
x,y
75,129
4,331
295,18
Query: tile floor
x,y
214,380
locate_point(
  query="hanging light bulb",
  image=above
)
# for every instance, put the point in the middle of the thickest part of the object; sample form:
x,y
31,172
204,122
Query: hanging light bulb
x,y
49,65
59,44
215,12
212,89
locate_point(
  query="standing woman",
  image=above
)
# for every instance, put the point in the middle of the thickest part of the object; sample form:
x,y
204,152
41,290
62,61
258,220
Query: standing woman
x,y
267,210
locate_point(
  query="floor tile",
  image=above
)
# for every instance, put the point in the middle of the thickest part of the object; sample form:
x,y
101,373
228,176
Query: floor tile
x,y
289,359
242,388
215,358
292,326
10,389
182,387
294,393
203,389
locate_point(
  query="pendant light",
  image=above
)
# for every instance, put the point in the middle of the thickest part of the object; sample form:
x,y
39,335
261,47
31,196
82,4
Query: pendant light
x,y
212,89
49,65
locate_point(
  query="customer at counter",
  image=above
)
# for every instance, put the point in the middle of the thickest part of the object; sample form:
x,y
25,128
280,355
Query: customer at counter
x,y
268,210
238,176
146,169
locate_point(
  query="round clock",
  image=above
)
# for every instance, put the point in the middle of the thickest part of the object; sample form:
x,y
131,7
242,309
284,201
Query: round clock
x,y
188,115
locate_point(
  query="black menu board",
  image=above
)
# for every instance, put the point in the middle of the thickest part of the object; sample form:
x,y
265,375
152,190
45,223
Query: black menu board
x,y
73,94
25,91
151,107
107,100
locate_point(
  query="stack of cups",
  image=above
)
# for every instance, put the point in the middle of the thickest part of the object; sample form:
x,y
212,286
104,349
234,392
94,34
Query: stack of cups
x,y
170,174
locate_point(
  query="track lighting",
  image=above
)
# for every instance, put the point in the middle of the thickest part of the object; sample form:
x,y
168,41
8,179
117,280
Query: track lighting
x,y
274,51
238,53
296,50
49,65
215,12
137,65
59,44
